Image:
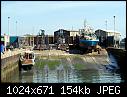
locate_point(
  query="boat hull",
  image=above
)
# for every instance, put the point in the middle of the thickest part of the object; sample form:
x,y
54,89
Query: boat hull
x,y
28,62
88,43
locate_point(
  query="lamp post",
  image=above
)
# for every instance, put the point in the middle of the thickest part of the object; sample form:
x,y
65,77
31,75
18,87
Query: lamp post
x,y
16,28
8,25
114,33
119,41
8,38
106,24
33,38
106,34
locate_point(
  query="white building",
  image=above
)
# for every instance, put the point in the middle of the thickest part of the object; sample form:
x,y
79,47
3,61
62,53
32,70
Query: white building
x,y
112,38
6,40
74,33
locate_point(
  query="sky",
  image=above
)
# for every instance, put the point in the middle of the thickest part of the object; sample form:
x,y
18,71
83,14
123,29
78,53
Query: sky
x,y
28,17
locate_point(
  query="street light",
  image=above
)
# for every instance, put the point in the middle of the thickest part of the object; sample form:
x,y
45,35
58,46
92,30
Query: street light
x,y
8,38
114,33
106,34
8,25
106,24
16,28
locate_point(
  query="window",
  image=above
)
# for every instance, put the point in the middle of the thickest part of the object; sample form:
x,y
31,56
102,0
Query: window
x,y
26,55
30,56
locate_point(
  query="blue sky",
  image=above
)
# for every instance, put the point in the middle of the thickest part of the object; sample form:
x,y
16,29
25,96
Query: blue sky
x,y
31,16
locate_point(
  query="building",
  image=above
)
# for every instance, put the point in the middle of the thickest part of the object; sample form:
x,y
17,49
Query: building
x,y
5,40
73,36
65,36
22,41
122,43
26,40
35,40
108,37
2,40
14,41
61,36
2,44
49,39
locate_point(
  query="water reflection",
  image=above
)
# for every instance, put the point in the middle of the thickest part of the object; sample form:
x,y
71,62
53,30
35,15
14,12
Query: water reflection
x,y
113,66
46,70
26,76
60,73
88,76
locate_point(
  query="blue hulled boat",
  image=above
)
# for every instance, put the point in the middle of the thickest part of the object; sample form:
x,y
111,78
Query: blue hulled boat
x,y
86,43
88,38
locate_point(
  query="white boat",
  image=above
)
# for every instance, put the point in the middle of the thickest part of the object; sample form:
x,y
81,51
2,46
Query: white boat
x,y
27,59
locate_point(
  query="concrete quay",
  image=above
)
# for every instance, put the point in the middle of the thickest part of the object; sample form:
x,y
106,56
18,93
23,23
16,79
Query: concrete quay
x,y
11,53
120,55
92,60
9,63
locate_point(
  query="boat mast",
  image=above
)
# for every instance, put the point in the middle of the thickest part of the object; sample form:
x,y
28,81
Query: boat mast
x,y
84,23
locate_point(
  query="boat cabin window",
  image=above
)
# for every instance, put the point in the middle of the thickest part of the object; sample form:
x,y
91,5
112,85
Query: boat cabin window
x,y
31,56
26,55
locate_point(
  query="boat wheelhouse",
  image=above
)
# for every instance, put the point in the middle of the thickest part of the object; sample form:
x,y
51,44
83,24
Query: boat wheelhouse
x,y
27,59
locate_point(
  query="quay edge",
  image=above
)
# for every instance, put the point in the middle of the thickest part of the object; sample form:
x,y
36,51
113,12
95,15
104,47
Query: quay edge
x,y
120,55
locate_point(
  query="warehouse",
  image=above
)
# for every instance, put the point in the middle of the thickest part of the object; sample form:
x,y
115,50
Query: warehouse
x,y
108,38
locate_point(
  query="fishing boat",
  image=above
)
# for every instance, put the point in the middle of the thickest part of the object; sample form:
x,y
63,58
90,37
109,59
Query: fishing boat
x,y
27,59
88,39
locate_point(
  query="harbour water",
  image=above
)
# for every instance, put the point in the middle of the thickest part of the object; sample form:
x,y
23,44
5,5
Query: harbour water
x,y
48,70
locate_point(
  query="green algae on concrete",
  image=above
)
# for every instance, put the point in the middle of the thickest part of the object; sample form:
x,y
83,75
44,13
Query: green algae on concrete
x,y
51,63
79,66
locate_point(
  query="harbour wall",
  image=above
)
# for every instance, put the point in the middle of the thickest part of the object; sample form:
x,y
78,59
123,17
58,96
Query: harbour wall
x,y
120,56
9,66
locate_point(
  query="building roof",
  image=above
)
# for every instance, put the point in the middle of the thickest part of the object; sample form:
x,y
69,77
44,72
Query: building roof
x,y
109,31
60,30
73,31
